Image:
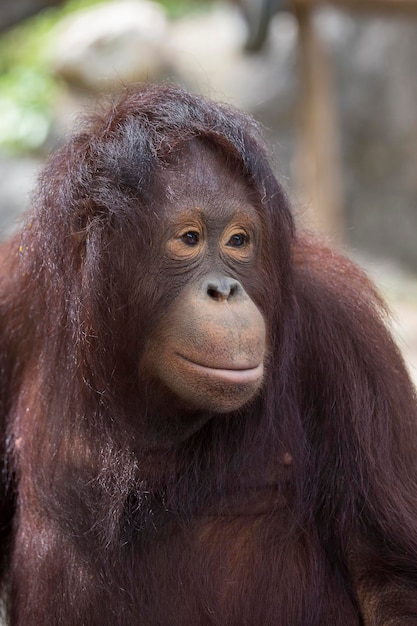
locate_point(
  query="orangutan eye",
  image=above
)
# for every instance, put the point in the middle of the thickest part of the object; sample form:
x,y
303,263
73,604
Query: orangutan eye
x,y
238,240
191,238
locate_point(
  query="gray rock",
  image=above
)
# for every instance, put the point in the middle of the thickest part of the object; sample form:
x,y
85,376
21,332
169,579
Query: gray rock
x,y
117,42
18,178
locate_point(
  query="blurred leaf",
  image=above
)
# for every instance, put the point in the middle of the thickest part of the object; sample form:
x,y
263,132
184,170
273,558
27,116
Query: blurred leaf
x,y
27,85
25,99
179,8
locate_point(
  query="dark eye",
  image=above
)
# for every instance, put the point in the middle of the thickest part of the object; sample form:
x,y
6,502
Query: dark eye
x,y
190,238
238,240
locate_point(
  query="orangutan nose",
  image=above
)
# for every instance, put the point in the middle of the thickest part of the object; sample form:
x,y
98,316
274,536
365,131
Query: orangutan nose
x,y
222,289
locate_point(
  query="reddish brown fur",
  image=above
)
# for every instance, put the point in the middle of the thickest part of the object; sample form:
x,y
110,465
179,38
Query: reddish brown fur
x,y
299,509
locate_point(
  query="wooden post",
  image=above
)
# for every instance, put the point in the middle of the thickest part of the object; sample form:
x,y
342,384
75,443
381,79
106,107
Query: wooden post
x,y
317,168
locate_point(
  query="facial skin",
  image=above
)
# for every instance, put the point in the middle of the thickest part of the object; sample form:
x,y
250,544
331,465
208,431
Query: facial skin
x,y
209,347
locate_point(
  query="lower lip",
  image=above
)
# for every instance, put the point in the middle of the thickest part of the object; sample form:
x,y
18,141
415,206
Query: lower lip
x,y
234,376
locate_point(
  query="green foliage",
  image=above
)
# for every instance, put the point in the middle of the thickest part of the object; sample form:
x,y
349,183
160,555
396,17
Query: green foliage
x,y
178,8
27,85
25,98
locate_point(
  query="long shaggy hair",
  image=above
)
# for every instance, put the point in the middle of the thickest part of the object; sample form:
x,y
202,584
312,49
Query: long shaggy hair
x,y
98,529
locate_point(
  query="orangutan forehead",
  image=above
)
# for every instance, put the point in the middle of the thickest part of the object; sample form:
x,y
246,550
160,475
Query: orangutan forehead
x,y
201,175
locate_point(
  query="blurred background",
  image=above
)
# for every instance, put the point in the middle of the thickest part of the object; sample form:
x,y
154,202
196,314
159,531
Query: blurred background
x,y
334,84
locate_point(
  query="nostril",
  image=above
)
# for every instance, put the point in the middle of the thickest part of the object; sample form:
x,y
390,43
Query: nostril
x,y
214,294
234,290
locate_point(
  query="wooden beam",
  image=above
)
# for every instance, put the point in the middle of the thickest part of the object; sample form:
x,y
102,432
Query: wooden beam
x,y
399,6
14,11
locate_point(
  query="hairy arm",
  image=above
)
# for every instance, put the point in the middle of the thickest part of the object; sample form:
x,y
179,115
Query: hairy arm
x,y
361,420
